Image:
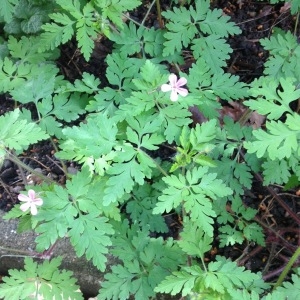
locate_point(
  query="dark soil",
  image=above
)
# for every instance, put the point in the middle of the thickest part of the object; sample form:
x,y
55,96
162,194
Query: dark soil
x,y
257,20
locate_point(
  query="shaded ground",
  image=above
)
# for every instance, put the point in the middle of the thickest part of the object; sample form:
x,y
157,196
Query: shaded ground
x,y
257,20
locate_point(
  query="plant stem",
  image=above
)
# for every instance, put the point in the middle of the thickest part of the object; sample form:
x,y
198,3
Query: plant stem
x,y
147,13
296,24
19,163
160,21
275,195
287,268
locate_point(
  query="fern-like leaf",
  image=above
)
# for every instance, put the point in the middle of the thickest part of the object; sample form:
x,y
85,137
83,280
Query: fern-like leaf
x,y
17,133
7,9
43,281
280,140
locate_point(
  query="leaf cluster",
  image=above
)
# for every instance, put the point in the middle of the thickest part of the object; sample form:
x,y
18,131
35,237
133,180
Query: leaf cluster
x,y
77,212
218,280
145,262
201,28
40,280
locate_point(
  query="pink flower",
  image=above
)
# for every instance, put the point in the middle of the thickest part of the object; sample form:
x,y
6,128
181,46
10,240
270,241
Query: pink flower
x,y
175,87
31,201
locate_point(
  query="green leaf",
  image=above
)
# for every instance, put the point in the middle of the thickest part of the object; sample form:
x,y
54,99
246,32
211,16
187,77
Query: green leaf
x,y
284,55
88,84
89,235
133,40
37,88
120,72
140,208
86,32
290,290
90,140
254,232
228,87
193,240
40,280
117,284
132,164
129,38
181,29
26,49
230,236
113,9
56,33
16,133
11,75
193,192
217,23
56,215
224,275
7,9
280,140
272,100
174,117
214,50
271,174
146,262
180,281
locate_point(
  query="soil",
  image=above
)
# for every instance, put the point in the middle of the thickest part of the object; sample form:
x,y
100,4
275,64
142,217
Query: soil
x,y
257,20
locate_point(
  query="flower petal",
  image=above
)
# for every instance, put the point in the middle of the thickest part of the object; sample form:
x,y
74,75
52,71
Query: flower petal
x,y
33,210
165,88
174,96
25,206
173,80
182,92
31,194
38,201
182,81
22,197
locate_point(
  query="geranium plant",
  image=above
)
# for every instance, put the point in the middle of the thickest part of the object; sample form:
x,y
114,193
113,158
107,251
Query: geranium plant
x,y
114,129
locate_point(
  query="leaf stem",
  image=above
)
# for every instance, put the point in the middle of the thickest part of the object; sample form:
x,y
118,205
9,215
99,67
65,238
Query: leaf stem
x,y
287,268
147,13
296,24
19,163
160,21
